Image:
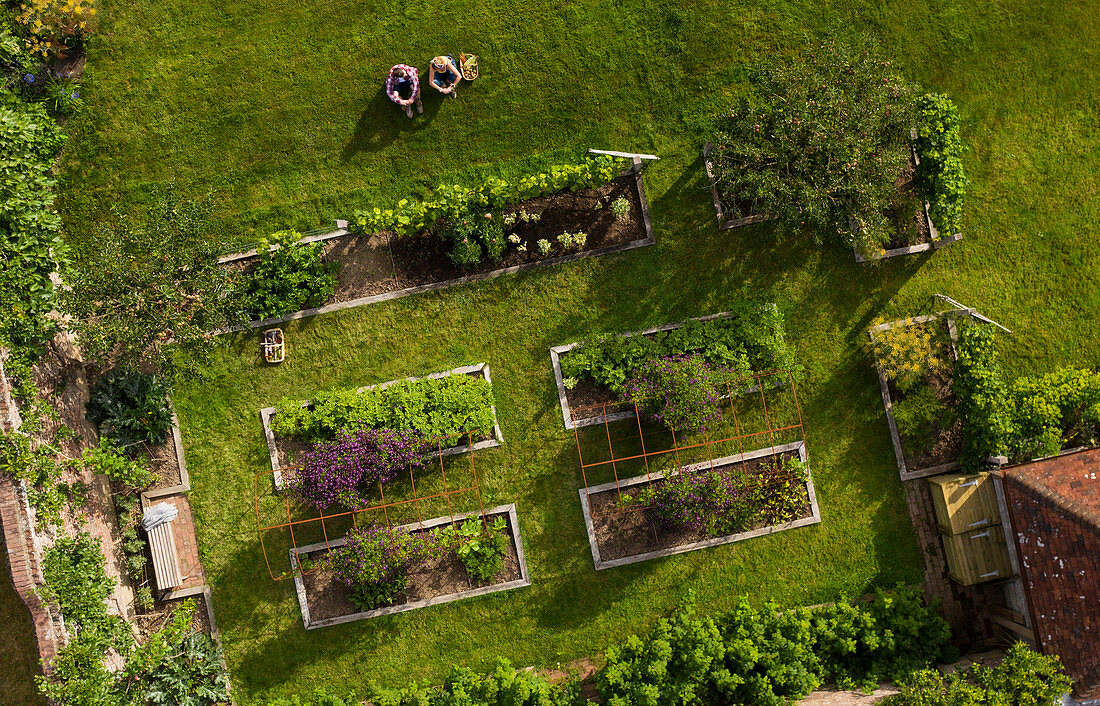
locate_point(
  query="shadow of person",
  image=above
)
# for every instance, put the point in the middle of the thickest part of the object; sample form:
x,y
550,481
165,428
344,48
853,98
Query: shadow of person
x,y
382,121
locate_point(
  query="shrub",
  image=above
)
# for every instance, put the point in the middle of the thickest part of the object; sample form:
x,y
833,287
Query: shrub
x,y
193,674
150,290
110,460
473,237
889,638
919,415
479,547
940,172
1023,678
820,142
750,338
130,408
769,653
345,471
75,579
289,278
375,562
453,202
983,398
30,238
435,407
909,351
503,686
57,24
682,392
1054,410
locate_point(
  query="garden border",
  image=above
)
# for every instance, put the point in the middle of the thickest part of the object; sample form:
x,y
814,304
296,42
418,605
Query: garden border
x,y
555,361
720,210
649,239
498,436
888,401
517,539
600,564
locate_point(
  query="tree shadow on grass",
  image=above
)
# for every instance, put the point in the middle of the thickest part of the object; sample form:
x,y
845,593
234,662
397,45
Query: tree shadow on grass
x,y
382,121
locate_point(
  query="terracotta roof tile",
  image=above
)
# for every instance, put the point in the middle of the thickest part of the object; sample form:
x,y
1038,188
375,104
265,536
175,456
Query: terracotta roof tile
x,y
1054,505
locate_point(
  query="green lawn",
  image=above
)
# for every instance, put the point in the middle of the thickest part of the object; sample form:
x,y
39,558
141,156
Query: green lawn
x,y
278,110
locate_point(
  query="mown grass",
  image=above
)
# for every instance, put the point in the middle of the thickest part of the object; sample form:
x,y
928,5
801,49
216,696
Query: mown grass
x,y
278,109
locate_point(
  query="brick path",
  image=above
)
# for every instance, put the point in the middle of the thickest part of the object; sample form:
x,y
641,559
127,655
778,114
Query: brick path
x,y
964,607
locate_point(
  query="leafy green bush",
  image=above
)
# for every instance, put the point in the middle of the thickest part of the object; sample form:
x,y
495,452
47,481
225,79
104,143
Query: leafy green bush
x,y
503,686
454,202
76,580
751,338
110,460
909,351
289,278
192,674
130,408
820,142
941,172
474,237
1054,410
435,407
766,657
919,415
1023,678
30,239
983,398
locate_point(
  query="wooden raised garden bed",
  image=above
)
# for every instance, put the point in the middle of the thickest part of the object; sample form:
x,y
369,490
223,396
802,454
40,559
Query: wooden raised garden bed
x,y
941,454
377,267
579,405
913,228
324,599
166,460
282,451
627,538
725,220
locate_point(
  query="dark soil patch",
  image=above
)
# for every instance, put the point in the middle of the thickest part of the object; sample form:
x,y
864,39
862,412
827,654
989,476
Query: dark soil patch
x,y
586,395
633,532
379,263
946,444
328,598
162,460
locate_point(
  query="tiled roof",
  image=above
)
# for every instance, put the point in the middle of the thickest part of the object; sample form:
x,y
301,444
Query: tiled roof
x,y
1054,504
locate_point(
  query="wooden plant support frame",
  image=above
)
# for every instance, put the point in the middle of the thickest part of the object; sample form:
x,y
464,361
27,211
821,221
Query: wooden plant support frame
x,y
342,230
524,580
600,564
555,360
498,438
905,472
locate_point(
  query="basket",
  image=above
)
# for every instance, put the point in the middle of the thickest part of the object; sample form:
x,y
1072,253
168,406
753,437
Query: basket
x,y
468,66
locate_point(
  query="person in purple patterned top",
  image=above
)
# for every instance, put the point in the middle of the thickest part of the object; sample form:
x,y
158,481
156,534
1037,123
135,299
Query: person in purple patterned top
x,y
403,88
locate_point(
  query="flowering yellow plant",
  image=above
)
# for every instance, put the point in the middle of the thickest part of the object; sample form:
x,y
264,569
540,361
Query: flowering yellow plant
x,y
908,351
56,23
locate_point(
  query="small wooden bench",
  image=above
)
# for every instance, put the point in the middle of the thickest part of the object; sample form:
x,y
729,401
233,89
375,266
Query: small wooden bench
x,y
166,565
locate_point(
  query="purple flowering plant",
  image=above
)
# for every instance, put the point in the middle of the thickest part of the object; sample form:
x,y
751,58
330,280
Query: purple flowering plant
x,y
375,562
680,391
344,471
725,501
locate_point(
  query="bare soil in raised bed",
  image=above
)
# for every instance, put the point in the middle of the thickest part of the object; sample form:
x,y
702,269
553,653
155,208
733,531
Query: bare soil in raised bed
x,y
327,597
947,444
379,263
630,533
162,460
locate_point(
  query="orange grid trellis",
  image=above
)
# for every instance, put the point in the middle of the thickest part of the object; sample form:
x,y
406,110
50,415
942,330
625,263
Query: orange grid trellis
x,y
755,384
324,518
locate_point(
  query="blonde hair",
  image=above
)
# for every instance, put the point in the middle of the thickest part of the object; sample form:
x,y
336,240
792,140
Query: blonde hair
x,y
440,63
